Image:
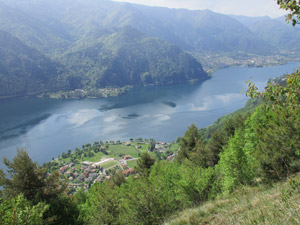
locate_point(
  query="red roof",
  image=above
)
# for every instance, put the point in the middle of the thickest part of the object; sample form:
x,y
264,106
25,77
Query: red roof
x,y
127,157
128,172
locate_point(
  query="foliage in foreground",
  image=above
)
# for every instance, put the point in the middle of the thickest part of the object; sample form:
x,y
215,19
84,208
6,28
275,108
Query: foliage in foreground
x,y
293,6
264,204
21,211
32,196
259,147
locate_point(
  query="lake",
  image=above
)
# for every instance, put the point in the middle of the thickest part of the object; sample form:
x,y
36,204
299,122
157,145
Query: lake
x,y
48,127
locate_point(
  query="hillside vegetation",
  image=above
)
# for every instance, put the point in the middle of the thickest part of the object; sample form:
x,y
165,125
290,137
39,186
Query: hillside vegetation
x,y
244,169
262,204
95,44
238,168
26,71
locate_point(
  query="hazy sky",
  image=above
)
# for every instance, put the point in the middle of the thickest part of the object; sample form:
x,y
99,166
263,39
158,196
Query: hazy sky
x,y
237,7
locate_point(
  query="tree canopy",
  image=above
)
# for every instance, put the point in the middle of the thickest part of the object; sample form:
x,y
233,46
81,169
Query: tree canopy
x,y
293,6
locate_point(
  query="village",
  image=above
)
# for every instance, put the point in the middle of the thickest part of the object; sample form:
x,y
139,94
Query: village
x,y
98,162
214,62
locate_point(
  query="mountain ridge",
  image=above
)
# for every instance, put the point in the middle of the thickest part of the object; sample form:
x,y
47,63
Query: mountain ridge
x,y
96,44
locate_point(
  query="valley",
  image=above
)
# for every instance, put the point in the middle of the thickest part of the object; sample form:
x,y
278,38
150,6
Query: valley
x,y
127,45
114,112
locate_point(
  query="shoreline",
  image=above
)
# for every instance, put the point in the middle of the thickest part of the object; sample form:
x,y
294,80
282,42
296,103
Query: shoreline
x,y
108,92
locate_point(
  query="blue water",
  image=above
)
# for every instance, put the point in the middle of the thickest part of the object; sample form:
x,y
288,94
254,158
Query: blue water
x,y
48,127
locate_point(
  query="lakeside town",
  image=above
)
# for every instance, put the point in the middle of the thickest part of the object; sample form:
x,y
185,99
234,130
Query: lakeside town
x,y
99,161
214,61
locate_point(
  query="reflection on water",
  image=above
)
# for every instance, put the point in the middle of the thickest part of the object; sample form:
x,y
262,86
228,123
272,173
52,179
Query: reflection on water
x,y
171,104
21,128
131,116
82,116
47,127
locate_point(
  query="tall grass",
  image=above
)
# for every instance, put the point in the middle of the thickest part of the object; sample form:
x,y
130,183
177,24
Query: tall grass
x,y
277,204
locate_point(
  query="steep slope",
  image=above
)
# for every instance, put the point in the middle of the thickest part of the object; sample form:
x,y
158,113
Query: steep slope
x,y
247,205
274,31
200,30
34,33
205,30
25,71
128,57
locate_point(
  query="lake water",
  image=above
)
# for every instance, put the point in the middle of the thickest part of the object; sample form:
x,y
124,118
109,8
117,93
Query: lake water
x,y
48,127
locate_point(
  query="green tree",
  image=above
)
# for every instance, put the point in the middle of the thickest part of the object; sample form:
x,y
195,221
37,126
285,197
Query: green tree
x,y
144,163
103,205
193,148
151,146
29,179
21,211
293,6
187,143
215,145
117,179
278,127
36,185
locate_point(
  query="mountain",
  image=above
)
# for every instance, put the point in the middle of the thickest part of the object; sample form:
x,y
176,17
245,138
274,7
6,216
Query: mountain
x,y
100,43
200,30
34,33
94,46
24,70
129,57
273,31
204,30
124,57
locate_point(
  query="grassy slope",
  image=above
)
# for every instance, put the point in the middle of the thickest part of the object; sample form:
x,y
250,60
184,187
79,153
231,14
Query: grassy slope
x,y
247,205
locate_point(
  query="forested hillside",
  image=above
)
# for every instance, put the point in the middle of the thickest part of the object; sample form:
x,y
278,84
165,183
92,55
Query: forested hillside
x,y
99,43
128,57
243,169
26,71
275,32
85,55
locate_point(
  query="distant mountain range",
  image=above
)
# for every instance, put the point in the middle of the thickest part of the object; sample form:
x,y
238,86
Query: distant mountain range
x,y
274,31
51,45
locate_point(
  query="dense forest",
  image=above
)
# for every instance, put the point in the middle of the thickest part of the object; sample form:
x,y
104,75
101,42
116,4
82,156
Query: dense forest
x,y
89,45
253,148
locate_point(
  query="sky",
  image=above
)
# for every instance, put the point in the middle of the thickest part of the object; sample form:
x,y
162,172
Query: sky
x,y
236,7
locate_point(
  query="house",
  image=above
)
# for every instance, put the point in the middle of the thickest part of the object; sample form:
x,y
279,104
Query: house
x,y
86,173
126,157
170,157
81,177
86,163
138,147
89,179
83,167
68,173
124,166
126,173
63,169
100,178
127,144
93,175
91,167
